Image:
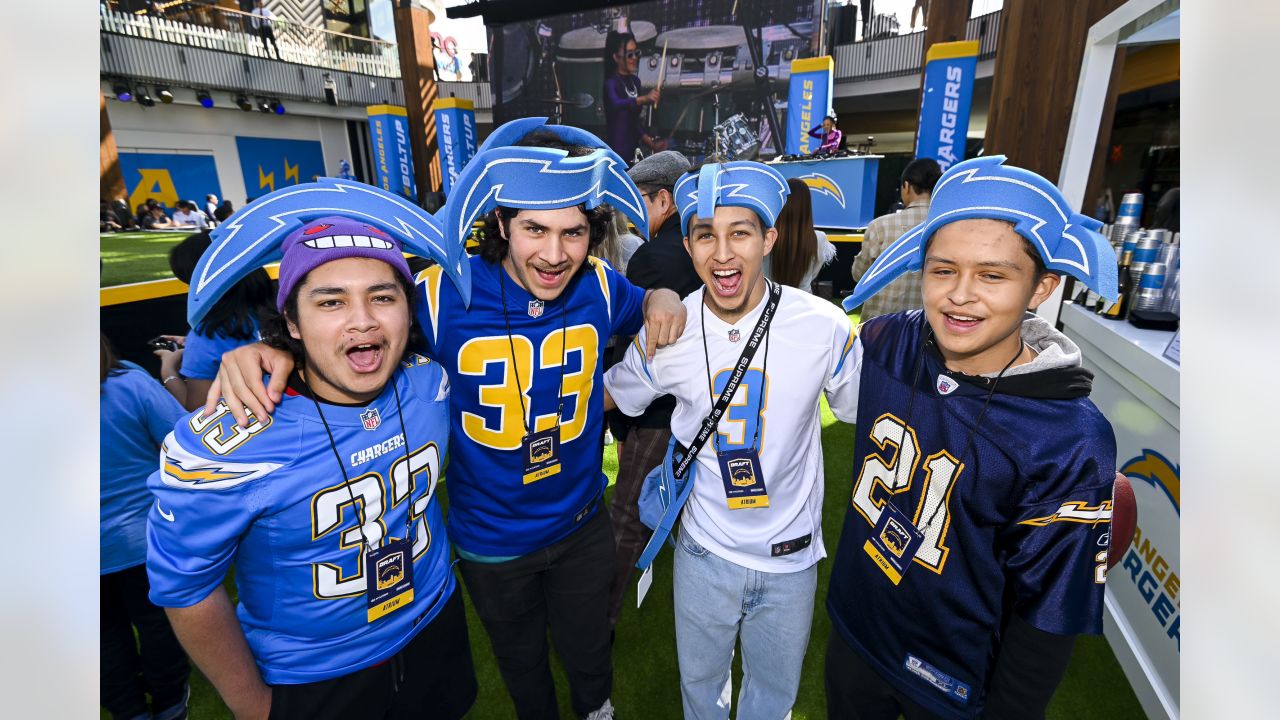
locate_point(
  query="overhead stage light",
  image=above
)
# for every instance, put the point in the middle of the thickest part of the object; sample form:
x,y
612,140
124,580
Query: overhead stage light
x,y
243,102
263,105
166,96
122,92
276,106
206,100
144,98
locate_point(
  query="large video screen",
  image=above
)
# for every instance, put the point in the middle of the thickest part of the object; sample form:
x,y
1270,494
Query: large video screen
x,y
599,70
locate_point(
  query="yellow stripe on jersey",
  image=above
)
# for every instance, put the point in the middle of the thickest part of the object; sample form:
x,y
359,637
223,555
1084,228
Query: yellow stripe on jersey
x,y
1076,511
603,277
848,345
644,357
430,281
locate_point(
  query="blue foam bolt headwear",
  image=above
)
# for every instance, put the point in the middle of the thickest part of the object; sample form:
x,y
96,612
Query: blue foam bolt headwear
x,y
984,187
741,183
538,178
254,235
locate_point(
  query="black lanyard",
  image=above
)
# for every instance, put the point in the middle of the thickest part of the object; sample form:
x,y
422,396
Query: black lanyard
x,y
346,481
515,366
712,421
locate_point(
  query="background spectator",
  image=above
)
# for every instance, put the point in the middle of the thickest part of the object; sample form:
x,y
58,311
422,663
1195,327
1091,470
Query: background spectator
x,y
800,251
224,211
916,190
232,322
136,415
156,219
188,216
210,207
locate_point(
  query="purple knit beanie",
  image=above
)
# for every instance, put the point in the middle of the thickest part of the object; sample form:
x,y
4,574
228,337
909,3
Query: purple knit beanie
x,y
332,238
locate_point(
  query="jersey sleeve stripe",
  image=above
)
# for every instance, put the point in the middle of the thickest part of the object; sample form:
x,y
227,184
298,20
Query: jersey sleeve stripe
x,y
430,281
187,471
603,277
844,354
644,358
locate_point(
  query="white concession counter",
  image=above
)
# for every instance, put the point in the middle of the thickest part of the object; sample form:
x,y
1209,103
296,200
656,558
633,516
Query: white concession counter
x,y
1136,387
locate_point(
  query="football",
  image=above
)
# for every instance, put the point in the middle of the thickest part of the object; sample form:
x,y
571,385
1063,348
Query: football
x,y
1124,520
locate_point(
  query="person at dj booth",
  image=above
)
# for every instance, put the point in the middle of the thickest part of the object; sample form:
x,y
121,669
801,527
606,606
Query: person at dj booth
x,y
625,129
831,137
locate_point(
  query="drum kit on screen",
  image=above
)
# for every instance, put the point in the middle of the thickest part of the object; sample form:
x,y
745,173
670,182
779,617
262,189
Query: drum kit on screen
x,y
709,104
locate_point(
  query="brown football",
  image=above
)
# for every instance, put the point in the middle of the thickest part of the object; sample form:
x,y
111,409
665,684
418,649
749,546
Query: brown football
x,y
1124,520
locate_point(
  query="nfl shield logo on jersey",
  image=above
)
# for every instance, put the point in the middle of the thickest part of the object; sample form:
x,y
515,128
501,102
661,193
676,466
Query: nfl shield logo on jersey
x,y
734,335
371,419
535,308
946,385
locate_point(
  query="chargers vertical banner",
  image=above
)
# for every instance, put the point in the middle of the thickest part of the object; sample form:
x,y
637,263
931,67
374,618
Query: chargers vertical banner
x,y
949,72
392,155
808,100
456,134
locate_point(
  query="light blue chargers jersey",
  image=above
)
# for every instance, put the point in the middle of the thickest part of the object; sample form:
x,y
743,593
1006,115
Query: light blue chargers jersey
x,y
271,500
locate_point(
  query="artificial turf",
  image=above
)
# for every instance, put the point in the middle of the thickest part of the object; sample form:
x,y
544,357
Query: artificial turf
x,y
130,257
646,682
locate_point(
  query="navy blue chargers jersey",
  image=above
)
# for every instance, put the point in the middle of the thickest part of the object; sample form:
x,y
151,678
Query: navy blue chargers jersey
x,y
1014,504
271,500
554,356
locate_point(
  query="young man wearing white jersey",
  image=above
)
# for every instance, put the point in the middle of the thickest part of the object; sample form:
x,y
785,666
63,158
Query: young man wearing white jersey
x,y
750,535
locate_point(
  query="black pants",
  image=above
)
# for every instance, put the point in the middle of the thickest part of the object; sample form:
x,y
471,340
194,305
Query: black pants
x,y
128,672
564,587
431,677
267,33
855,691
643,451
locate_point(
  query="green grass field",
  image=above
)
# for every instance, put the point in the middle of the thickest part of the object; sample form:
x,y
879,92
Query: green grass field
x,y
646,680
136,257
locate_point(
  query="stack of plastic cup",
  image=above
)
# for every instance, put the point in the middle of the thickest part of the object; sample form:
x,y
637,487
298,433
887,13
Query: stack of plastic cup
x,y
1150,295
1147,249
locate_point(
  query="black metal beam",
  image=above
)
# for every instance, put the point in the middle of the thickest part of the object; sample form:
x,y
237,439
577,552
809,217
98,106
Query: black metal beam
x,y
499,12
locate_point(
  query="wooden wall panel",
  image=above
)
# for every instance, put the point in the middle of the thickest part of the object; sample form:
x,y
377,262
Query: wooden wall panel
x,y
1037,67
417,70
110,179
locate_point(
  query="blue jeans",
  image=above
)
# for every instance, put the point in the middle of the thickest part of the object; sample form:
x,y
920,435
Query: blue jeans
x,y
715,601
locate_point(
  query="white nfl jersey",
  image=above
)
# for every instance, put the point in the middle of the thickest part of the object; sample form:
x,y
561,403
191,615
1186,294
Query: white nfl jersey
x,y
809,350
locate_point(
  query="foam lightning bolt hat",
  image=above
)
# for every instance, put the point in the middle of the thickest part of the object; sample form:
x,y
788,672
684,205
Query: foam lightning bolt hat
x,y
985,187
254,235
538,178
741,183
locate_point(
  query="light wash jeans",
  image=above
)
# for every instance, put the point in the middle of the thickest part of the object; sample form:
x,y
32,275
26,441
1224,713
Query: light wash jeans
x,y
715,600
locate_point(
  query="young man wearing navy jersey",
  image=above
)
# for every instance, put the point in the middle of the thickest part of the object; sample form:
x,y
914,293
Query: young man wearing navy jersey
x,y
525,480
347,603
750,534
975,546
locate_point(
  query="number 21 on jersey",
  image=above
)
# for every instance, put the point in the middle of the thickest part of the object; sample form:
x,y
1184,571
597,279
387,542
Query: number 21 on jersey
x,y
891,472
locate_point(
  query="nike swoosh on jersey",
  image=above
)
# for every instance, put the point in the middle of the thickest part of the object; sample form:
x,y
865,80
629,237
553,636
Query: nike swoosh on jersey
x,y
166,515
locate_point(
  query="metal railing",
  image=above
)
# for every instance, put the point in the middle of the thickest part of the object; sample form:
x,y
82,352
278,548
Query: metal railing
x,y
903,55
218,28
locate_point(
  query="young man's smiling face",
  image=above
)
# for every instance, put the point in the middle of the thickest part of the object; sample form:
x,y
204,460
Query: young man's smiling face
x,y
353,320
978,282
728,252
545,249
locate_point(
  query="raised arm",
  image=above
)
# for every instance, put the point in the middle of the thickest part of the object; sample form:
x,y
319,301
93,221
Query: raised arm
x,y
239,382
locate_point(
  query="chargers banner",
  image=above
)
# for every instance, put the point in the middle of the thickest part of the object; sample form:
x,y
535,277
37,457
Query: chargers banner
x,y
392,156
949,74
808,100
456,134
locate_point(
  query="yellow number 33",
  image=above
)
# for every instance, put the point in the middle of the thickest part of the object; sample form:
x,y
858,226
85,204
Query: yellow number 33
x,y
477,354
